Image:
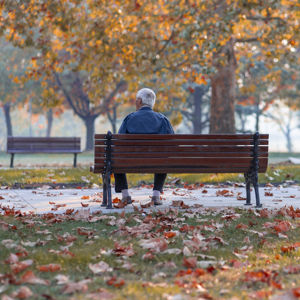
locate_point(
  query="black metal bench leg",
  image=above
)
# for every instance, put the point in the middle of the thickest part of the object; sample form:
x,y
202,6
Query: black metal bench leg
x,y
75,160
109,203
255,184
104,201
248,193
12,155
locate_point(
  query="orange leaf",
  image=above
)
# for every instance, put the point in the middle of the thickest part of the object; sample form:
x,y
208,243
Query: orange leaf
x,y
84,205
50,268
116,200
169,234
282,226
85,197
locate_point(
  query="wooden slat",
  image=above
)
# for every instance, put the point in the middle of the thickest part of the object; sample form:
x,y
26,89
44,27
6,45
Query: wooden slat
x,y
200,149
98,170
180,136
185,163
181,142
43,151
140,162
43,139
178,155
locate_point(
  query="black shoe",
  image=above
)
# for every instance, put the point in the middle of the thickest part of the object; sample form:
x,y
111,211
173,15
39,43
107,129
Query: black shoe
x,y
127,200
156,200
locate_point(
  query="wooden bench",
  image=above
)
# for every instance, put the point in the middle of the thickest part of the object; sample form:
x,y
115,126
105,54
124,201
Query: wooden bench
x,y
16,145
181,153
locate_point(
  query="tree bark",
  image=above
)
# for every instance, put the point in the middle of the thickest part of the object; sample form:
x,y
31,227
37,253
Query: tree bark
x,y
49,122
89,122
222,109
6,109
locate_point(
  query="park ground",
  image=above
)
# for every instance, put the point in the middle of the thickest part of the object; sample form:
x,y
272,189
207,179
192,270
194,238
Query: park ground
x,y
176,252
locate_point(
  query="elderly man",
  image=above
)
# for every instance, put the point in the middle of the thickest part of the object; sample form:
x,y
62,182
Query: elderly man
x,y
144,120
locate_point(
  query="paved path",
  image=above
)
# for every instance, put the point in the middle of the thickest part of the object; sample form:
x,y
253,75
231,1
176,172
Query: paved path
x,y
46,200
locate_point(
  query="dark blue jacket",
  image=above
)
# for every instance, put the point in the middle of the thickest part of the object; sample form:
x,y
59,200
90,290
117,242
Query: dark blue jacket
x,y
145,120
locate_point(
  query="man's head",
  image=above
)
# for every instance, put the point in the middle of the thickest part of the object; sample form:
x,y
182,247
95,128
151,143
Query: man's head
x,y
145,96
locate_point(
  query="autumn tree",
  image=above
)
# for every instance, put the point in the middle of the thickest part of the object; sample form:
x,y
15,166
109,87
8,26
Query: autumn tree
x,y
137,41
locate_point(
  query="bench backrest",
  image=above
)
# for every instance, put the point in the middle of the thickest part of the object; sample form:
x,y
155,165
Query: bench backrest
x,y
180,153
43,144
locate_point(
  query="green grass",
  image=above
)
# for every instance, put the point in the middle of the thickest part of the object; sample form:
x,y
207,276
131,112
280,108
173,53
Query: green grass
x,y
214,234
83,177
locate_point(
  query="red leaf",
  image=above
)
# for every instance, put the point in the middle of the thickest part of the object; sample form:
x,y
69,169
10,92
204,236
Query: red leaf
x,y
114,282
190,262
84,205
268,194
296,292
20,266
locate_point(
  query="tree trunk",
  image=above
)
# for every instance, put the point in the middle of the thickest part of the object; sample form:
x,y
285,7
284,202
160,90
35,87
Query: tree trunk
x,y
289,143
197,114
222,109
6,109
49,122
89,122
113,118
257,114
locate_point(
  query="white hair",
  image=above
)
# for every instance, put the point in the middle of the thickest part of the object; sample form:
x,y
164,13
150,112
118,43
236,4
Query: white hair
x,y
147,96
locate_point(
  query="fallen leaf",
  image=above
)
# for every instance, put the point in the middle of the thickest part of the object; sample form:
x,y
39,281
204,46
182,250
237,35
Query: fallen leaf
x,y
169,234
114,282
12,259
22,293
100,267
50,268
73,287
190,262
283,226
29,277
20,266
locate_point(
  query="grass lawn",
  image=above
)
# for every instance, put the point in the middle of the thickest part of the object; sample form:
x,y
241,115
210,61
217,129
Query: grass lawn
x,y
70,177
199,254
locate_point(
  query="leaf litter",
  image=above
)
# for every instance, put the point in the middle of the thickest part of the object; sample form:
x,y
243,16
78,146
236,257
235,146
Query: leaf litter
x,y
200,253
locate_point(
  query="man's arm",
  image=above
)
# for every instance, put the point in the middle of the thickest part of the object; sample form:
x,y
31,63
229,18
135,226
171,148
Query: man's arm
x,y
168,127
123,127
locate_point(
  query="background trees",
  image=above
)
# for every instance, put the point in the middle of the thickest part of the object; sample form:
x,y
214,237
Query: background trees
x,y
90,52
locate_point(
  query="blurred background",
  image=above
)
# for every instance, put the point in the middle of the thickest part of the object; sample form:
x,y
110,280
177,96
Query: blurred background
x,y
72,68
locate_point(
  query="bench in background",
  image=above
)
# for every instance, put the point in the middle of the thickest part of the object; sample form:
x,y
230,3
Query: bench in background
x,y
16,145
181,153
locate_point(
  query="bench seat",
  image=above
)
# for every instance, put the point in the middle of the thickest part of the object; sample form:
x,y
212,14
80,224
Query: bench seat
x,y
17,145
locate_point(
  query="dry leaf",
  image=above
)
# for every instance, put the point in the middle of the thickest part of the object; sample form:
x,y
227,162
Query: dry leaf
x,y
29,277
100,267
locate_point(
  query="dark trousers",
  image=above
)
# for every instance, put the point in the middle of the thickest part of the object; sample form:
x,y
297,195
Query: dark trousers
x,y
121,182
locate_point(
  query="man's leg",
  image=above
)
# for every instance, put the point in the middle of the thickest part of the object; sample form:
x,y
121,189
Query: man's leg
x,y
121,186
159,180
